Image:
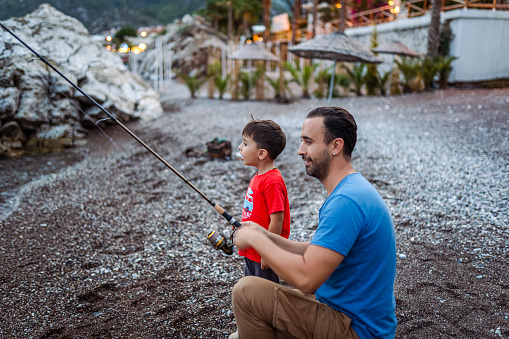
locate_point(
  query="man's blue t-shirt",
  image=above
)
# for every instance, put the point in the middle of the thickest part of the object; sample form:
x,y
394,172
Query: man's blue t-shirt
x,y
355,222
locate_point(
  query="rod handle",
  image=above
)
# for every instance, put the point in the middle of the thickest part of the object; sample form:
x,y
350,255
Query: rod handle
x,y
227,216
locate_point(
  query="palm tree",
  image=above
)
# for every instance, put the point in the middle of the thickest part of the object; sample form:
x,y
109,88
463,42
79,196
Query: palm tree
x,y
434,28
246,11
315,17
267,4
295,22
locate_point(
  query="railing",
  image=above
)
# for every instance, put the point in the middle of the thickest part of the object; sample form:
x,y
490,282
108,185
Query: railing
x,y
419,7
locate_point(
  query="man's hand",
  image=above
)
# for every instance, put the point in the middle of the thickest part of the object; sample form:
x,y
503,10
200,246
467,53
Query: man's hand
x,y
245,235
252,225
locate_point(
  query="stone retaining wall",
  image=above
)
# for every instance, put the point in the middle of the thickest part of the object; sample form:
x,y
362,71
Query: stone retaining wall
x,y
481,41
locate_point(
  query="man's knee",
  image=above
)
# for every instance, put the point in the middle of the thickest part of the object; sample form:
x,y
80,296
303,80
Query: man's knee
x,y
253,292
244,286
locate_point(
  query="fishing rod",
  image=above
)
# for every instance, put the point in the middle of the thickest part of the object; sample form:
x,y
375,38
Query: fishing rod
x,y
218,240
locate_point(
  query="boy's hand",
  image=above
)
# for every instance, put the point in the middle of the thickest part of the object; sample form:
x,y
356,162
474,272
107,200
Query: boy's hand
x,y
264,265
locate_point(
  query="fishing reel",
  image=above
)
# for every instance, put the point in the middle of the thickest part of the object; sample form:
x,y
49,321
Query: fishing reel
x,y
220,242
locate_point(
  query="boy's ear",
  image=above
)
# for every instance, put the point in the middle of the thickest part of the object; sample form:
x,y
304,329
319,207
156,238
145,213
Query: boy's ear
x,y
262,154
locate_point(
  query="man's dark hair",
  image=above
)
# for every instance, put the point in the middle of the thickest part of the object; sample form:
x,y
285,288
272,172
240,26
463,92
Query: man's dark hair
x,y
339,123
267,135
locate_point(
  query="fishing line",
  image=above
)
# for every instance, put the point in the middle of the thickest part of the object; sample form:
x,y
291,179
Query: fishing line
x,y
48,79
218,240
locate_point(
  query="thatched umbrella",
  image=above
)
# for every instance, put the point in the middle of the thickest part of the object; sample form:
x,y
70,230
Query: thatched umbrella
x,y
395,48
251,52
336,46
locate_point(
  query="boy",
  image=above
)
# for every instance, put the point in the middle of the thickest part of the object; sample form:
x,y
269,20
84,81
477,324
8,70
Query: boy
x,y
266,201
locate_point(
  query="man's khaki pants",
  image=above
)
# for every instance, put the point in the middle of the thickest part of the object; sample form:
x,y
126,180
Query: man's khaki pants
x,y
266,310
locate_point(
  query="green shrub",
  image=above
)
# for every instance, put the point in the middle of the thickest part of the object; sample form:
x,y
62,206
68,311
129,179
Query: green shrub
x,y
215,71
302,76
382,82
444,69
409,68
275,84
357,77
193,82
428,71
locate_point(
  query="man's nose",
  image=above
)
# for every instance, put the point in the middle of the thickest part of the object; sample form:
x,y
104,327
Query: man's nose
x,y
300,151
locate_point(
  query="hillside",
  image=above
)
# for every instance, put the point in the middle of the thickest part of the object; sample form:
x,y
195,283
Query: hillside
x,y
99,15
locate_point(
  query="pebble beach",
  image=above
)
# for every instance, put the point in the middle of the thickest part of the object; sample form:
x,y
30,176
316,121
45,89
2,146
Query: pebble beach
x,y
115,245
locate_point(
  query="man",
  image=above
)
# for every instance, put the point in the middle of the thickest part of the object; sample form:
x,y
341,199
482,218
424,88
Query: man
x,y
350,264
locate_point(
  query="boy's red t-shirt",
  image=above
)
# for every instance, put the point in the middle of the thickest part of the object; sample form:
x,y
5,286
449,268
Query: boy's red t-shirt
x,y
265,195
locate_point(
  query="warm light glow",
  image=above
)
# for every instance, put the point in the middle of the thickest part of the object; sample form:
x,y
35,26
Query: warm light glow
x,y
142,46
143,34
248,42
391,2
136,50
124,49
395,10
255,37
108,48
260,39
338,5
108,38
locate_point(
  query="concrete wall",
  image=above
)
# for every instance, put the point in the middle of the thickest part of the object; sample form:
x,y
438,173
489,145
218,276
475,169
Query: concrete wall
x,y
481,41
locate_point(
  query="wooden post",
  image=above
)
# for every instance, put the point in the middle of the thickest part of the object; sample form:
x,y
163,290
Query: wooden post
x,y
210,64
261,81
235,87
283,98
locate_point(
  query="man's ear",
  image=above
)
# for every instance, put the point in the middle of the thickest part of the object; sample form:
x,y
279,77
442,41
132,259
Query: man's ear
x,y
337,146
262,154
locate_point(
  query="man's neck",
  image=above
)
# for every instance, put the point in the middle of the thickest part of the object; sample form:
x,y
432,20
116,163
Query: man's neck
x,y
265,166
338,171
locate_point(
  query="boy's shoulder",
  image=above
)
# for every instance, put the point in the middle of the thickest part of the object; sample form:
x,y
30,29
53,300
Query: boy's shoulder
x,y
273,177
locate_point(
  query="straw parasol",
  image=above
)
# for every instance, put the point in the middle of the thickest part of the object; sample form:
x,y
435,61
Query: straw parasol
x,y
251,52
397,48
336,46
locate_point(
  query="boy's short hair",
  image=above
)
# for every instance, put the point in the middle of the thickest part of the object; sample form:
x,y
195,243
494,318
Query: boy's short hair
x,y
267,135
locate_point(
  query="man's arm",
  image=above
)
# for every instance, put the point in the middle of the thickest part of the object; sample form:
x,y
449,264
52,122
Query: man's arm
x,y
306,271
296,247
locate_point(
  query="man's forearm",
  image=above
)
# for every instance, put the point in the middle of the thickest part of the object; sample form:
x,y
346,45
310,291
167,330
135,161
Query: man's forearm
x,y
296,247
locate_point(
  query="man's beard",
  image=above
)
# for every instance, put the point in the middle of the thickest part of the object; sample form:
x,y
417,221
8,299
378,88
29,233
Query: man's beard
x,y
319,167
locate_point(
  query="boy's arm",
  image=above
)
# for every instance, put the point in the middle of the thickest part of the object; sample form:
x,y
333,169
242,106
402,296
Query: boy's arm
x,y
275,226
276,222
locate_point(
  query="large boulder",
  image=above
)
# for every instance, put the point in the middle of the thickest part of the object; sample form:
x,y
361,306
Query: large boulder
x,y
47,110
